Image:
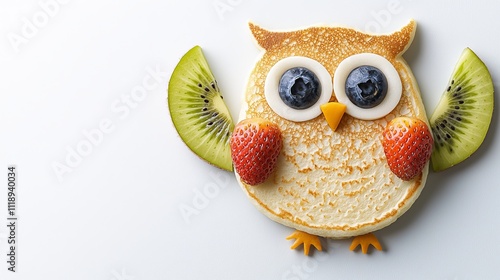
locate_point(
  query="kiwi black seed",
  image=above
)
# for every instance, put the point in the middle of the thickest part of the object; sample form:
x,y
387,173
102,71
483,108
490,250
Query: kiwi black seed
x,y
198,111
461,120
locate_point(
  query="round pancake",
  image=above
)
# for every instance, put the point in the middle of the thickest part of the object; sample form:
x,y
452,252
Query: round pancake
x,y
333,183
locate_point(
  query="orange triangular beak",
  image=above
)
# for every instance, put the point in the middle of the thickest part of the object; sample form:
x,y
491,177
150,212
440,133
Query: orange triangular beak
x,y
333,112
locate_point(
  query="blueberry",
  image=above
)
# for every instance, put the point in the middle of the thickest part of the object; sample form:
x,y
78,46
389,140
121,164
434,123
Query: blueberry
x,y
366,86
299,88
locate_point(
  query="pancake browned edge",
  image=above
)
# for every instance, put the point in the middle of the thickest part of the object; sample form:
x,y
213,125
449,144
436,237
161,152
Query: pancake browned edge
x,y
333,184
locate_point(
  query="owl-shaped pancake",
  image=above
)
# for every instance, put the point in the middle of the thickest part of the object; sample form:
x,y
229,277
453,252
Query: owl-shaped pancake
x,y
333,183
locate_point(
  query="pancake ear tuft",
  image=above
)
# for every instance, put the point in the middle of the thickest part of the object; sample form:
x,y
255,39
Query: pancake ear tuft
x,y
265,38
401,40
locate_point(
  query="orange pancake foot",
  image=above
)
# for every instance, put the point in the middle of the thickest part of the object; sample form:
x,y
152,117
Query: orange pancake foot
x,y
306,239
365,241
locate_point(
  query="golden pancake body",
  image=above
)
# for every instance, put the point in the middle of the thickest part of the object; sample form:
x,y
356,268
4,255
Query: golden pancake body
x,y
333,183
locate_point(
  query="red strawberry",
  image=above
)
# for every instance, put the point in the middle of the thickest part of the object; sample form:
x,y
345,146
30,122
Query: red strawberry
x,y
255,146
407,145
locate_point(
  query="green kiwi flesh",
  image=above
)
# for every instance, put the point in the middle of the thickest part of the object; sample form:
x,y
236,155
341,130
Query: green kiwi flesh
x,y
462,117
198,111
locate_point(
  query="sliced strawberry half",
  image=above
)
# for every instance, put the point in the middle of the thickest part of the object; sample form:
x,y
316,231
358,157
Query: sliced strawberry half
x,y
255,146
407,145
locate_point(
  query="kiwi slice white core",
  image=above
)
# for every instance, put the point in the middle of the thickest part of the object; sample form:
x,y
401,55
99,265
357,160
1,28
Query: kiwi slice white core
x,y
461,120
198,111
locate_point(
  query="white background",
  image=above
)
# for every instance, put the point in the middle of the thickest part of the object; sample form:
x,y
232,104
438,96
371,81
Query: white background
x,y
69,67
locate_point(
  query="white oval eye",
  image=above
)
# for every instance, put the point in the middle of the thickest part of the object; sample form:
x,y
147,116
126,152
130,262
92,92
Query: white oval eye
x,y
294,73
385,104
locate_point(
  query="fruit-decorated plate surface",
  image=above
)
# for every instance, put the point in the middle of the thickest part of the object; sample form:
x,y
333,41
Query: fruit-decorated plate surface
x,y
108,190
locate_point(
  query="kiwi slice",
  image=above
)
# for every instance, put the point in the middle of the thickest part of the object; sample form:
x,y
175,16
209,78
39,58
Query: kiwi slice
x,y
198,111
462,117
